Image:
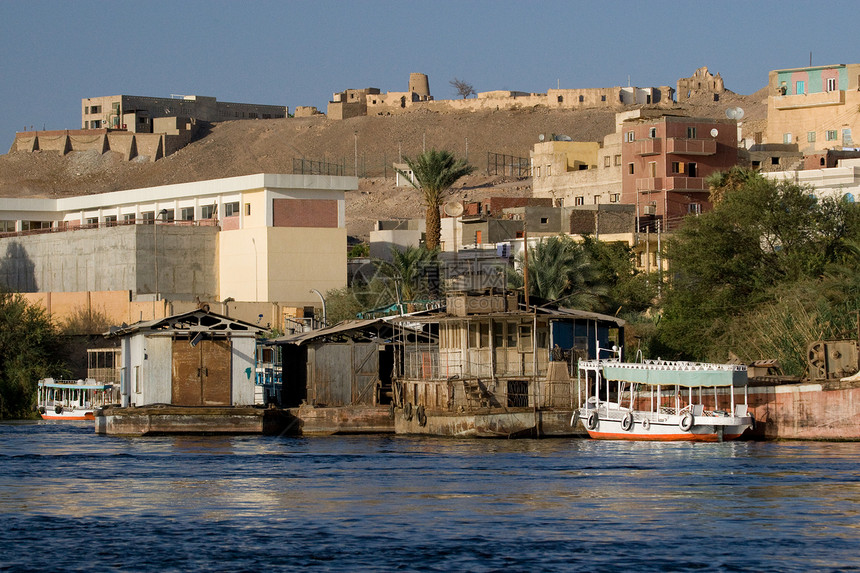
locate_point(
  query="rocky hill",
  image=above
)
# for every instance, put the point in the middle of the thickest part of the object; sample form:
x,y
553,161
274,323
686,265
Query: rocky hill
x,y
254,146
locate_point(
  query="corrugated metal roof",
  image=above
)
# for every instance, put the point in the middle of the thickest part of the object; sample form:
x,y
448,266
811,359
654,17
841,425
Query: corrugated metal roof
x,y
161,323
340,328
430,316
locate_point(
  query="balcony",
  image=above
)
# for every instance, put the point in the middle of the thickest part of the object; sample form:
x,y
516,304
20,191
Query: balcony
x,y
649,184
835,97
677,184
682,184
683,146
647,147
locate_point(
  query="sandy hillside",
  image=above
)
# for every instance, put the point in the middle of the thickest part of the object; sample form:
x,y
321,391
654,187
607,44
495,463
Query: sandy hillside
x,y
256,146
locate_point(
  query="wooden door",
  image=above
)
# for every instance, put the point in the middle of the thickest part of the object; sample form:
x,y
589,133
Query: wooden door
x,y
201,374
186,384
216,368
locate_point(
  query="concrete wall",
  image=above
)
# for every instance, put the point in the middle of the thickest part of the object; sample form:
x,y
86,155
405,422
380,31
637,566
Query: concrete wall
x,y
130,145
113,259
283,272
370,101
601,220
381,242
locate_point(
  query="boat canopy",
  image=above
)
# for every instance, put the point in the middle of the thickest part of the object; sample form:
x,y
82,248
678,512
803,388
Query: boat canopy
x,y
89,384
671,373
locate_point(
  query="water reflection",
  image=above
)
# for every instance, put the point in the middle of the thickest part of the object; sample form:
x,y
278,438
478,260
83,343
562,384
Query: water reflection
x,y
389,502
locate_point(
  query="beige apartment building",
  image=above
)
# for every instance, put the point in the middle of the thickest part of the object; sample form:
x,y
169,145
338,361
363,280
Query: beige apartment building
x,y
577,173
817,107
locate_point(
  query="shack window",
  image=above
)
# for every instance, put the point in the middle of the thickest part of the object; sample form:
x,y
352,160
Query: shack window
x,y
525,338
479,335
542,336
498,334
511,335
518,393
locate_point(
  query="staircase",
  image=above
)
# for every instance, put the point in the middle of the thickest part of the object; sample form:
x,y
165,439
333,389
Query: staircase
x,y
476,395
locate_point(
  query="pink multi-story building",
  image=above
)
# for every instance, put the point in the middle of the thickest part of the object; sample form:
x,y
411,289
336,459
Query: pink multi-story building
x,y
665,161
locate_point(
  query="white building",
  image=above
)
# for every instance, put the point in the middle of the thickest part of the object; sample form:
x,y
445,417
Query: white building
x,y
840,181
264,237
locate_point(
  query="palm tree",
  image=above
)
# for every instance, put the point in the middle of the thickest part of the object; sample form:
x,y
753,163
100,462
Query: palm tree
x,y
434,173
411,269
722,182
560,271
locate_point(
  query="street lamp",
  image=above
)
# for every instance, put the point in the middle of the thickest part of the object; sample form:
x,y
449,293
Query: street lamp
x,y
322,299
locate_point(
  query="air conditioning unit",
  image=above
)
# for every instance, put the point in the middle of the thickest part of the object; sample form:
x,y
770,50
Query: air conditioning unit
x,y
650,209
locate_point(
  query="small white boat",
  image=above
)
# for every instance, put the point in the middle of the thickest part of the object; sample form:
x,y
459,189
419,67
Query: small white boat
x,y
662,400
72,399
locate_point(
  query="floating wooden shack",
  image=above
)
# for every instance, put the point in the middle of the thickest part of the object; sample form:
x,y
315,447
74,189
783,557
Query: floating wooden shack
x,y
339,379
189,373
488,366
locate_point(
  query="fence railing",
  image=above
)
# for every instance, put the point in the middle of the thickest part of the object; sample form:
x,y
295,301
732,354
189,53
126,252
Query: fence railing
x,y
509,165
62,227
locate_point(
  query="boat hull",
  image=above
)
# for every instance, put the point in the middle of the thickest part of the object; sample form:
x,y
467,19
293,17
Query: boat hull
x,y
69,416
668,428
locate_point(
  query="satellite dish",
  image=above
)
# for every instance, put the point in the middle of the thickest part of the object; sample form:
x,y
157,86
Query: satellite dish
x,y
453,208
563,138
714,132
540,137
735,113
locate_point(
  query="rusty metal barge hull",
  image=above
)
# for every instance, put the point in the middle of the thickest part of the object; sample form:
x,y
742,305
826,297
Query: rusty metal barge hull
x,y
184,420
322,421
827,411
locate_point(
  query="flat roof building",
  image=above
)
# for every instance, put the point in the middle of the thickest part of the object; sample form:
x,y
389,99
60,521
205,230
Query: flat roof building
x,y
137,113
265,237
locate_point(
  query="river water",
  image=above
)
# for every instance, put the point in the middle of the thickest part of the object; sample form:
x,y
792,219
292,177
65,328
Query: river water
x,y
74,501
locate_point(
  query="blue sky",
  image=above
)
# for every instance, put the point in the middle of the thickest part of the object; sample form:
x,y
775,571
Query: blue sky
x,y
54,53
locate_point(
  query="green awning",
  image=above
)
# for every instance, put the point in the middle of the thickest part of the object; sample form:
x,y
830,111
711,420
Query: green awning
x,y
688,374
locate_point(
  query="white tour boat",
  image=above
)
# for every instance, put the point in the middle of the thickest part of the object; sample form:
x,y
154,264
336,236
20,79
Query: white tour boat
x,y
662,400
72,399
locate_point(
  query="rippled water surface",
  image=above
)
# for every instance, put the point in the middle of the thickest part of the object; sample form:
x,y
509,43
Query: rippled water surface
x,y
74,501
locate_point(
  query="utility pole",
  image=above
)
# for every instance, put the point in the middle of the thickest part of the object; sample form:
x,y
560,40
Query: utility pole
x,y
526,260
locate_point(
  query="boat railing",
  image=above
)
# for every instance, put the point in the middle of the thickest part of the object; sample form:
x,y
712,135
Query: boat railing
x,y
667,365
